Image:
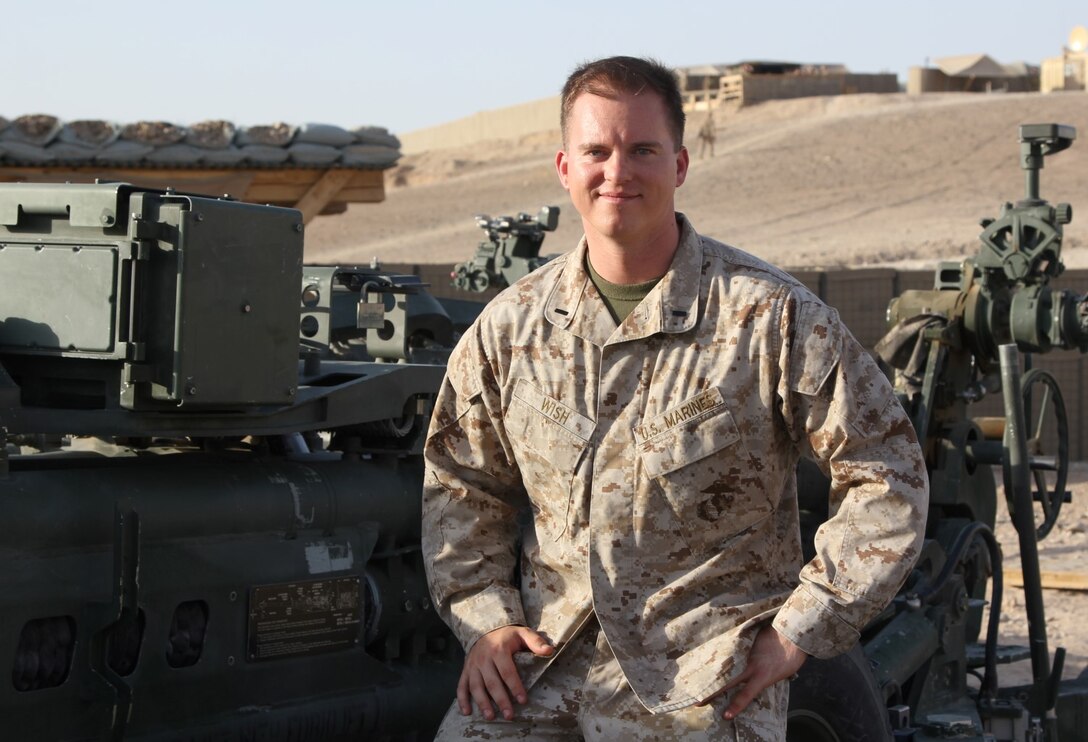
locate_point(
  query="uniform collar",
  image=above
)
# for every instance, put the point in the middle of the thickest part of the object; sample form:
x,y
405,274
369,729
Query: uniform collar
x,y
671,307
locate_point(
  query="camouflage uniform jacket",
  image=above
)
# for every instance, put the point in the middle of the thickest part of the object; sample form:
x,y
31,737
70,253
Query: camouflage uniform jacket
x,y
657,460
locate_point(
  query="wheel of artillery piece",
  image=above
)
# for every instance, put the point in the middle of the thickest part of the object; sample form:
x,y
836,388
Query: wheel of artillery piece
x,y
837,700
1045,414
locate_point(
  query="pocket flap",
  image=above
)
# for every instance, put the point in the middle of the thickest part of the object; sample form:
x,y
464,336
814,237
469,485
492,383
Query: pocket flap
x,y
694,429
547,427
817,347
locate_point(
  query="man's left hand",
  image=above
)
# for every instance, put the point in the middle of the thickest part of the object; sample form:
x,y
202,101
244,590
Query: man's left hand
x,y
773,657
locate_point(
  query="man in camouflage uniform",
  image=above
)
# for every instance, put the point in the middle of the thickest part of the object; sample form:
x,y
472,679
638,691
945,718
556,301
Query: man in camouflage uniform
x,y
610,508
707,134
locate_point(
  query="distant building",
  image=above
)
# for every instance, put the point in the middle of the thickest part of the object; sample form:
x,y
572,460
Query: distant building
x,y
972,73
1070,70
709,86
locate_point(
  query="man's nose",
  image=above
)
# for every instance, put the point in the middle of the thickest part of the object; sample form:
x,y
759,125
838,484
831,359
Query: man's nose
x,y
618,167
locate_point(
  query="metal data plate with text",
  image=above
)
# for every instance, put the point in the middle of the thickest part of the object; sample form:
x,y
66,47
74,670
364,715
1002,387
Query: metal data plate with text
x,y
302,618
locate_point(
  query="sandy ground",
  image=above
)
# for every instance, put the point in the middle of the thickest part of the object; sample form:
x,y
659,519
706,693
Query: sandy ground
x,y
843,181
1063,550
821,182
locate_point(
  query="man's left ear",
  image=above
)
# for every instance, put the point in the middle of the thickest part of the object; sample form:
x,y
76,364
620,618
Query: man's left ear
x,y
681,166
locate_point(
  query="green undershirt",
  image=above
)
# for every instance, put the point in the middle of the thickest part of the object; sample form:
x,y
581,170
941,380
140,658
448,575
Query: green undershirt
x,y
620,298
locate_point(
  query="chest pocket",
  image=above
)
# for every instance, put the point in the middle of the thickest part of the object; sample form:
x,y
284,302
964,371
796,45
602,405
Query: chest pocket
x,y
697,456
549,439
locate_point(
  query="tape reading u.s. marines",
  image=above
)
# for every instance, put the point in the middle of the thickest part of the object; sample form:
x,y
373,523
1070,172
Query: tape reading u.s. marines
x,y
704,402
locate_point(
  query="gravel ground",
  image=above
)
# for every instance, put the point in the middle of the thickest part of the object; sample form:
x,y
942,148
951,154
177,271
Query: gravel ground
x,y
1063,550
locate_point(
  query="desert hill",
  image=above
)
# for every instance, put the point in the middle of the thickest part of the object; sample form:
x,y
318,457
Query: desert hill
x,y
846,181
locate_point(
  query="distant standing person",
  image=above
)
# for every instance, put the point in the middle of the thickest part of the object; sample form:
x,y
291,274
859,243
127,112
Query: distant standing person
x,y
707,135
610,515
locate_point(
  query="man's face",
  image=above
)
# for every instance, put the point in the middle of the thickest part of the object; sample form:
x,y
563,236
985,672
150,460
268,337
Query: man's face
x,y
621,167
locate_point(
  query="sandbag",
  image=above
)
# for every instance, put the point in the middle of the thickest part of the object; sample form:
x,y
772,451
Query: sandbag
x,y
155,133
176,154
37,128
30,154
122,152
89,132
224,157
368,155
214,134
271,135
378,135
72,152
263,154
317,155
327,134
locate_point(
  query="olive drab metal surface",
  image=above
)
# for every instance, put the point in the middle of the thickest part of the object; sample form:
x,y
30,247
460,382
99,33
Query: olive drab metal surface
x,y
209,483
511,251
179,291
971,336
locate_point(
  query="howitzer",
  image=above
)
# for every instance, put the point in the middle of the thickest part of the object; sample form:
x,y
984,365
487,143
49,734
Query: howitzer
x,y
512,250
971,336
209,488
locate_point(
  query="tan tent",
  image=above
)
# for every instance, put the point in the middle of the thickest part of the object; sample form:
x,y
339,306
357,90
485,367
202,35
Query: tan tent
x,y
971,65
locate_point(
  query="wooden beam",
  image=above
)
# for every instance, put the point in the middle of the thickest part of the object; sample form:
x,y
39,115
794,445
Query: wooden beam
x,y
212,183
307,176
322,193
1051,580
291,194
336,207
303,176
279,186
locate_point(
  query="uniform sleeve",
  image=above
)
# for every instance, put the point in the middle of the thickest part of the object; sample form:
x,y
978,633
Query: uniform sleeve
x,y
471,498
842,412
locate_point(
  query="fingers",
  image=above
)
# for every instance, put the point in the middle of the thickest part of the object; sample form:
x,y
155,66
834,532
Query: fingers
x,y
464,697
773,657
743,697
490,677
488,686
507,678
535,643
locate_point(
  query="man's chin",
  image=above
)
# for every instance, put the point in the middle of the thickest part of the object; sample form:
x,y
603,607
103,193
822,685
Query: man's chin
x,y
615,228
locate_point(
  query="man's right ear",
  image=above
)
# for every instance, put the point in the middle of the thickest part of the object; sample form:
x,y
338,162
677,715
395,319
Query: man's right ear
x,y
561,168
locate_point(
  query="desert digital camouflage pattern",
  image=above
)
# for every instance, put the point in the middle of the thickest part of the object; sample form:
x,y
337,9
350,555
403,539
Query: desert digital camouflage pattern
x,y
585,694
658,461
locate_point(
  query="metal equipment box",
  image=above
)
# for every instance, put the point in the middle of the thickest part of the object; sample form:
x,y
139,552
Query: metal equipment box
x,y
124,296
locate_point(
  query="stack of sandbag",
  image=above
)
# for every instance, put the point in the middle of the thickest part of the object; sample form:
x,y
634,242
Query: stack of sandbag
x,y
39,139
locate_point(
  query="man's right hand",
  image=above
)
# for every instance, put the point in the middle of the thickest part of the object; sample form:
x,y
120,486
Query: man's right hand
x,y
489,674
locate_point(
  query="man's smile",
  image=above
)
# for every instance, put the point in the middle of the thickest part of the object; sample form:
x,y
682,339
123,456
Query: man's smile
x,y
616,197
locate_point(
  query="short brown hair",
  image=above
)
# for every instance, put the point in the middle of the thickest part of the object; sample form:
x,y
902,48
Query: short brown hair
x,y
626,75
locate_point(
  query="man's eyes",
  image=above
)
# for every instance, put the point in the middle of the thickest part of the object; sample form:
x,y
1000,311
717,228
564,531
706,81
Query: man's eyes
x,y
599,153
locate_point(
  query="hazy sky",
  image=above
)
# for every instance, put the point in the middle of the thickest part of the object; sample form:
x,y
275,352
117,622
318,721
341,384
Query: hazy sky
x,y
408,64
